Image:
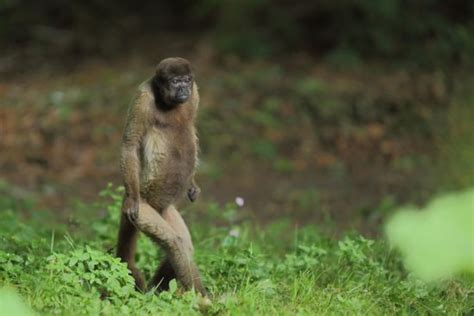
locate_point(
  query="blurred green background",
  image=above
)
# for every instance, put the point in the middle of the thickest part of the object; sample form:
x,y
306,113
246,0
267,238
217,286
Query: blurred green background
x,y
323,118
329,112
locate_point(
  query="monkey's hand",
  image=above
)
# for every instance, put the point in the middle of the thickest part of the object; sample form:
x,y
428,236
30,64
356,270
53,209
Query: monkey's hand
x,y
130,208
193,192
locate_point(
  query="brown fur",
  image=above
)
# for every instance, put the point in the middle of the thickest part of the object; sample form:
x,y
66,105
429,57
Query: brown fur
x,y
159,154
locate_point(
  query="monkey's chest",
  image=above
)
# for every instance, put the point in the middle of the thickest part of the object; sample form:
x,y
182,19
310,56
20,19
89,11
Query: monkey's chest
x,y
168,161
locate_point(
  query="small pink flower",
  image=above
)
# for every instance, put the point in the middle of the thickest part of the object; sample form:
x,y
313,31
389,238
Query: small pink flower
x,y
239,201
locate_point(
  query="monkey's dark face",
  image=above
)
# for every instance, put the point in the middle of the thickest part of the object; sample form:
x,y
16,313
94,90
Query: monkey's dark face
x,y
173,81
180,88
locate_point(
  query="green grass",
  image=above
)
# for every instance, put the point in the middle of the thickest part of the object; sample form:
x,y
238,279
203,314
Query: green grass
x,y
249,270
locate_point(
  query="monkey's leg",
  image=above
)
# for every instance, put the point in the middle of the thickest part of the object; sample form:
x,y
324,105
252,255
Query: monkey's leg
x,y
165,272
126,248
163,276
175,243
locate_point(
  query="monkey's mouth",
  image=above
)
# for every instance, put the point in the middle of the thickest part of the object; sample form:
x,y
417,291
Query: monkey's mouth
x,y
180,98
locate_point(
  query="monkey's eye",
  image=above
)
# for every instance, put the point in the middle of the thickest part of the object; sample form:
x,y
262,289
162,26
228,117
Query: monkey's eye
x,y
187,79
174,81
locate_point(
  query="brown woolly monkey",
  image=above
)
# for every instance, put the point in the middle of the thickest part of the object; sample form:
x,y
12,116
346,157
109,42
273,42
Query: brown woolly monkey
x,y
158,158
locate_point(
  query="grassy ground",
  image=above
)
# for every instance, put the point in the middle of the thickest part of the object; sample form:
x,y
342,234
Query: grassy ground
x,y
249,270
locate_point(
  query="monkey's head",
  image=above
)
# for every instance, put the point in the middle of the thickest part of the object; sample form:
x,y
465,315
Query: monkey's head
x,y
173,81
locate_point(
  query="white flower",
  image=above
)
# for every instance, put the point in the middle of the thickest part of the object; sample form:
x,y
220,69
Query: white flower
x,y
239,201
234,232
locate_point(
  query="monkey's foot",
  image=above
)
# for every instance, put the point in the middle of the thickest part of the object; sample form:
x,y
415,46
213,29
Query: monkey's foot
x,y
204,302
139,282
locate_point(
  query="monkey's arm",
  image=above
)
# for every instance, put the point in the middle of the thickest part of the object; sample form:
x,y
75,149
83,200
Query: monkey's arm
x,y
135,129
194,191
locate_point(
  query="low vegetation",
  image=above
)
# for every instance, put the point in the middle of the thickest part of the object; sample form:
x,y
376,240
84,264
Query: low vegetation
x,y
71,270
